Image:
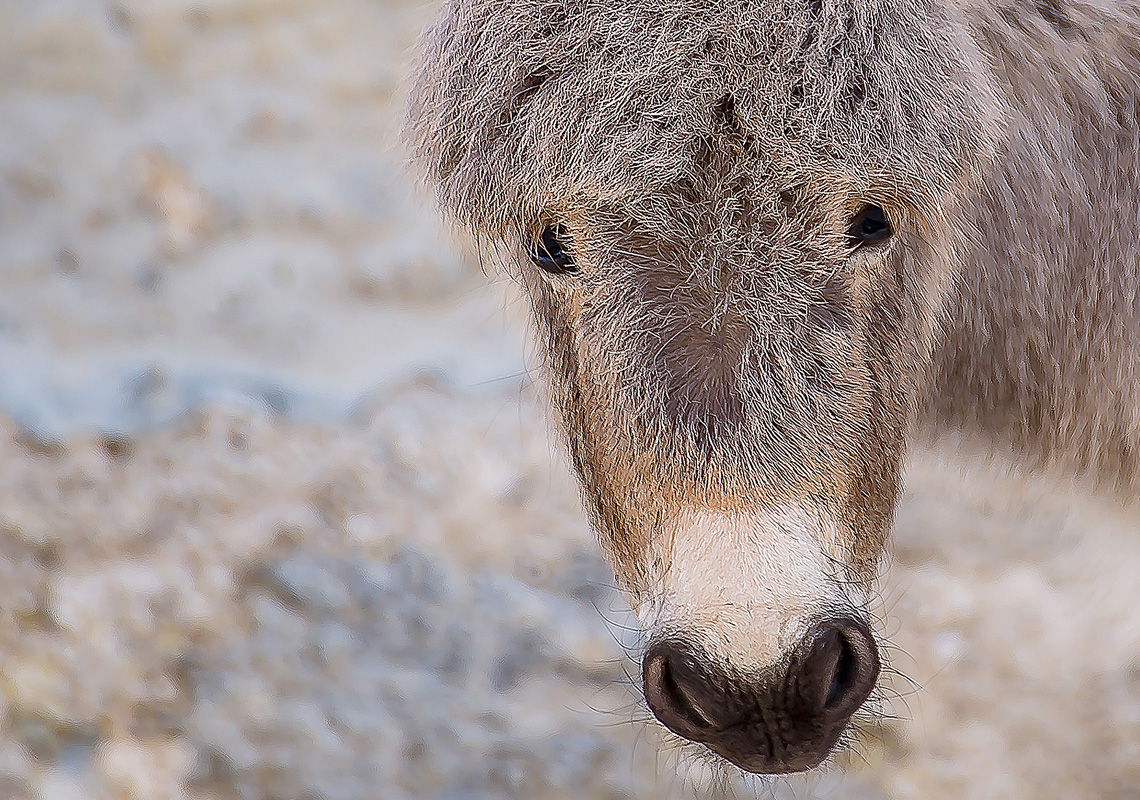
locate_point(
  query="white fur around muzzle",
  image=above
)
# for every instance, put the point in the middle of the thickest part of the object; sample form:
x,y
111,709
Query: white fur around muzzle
x,y
745,587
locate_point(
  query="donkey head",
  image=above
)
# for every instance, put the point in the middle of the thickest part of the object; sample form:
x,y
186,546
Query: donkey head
x,y
736,224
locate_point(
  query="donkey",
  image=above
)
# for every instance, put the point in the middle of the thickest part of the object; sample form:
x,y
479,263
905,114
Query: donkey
x,y
766,243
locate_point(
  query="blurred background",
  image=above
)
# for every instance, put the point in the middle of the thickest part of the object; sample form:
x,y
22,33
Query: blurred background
x,y
279,514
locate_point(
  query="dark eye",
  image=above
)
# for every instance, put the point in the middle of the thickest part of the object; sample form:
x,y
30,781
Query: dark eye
x,y
550,251
869,226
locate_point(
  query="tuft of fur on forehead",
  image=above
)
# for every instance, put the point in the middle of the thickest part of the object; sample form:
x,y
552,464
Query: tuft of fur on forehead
x,y
518,106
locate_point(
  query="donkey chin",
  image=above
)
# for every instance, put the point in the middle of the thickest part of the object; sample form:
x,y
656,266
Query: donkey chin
x,y
755,648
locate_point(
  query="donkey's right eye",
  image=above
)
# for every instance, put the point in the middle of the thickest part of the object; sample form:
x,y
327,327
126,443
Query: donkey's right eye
x,y
551,253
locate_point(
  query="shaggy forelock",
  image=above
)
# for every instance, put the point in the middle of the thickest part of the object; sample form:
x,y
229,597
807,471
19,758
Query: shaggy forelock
x,y
518,106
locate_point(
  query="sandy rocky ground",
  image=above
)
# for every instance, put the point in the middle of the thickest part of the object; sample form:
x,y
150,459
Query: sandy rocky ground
x,y
279,517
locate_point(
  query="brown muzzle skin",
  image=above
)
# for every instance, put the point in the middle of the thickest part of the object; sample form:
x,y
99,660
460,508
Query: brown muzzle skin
x,y
785,721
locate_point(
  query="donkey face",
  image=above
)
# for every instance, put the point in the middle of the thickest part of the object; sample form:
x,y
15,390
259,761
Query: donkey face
x,y
736,227
732,367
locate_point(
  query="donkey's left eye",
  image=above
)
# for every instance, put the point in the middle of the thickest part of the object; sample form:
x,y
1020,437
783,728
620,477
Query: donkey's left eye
x,y
551,253
870,226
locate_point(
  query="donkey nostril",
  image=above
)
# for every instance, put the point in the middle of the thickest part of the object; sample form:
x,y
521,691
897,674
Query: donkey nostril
x,y
678,691
844,676
676,695
841,667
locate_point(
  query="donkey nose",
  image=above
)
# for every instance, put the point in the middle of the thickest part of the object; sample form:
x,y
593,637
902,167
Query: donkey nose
x,y
785,721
